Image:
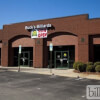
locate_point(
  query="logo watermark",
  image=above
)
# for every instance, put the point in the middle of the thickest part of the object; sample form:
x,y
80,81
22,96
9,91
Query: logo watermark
x,y
93,92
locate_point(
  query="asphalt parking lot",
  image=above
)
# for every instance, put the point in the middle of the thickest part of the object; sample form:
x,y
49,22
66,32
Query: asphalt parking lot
x,y
27,86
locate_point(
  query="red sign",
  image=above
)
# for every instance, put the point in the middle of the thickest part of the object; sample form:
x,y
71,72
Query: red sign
x,y
41,33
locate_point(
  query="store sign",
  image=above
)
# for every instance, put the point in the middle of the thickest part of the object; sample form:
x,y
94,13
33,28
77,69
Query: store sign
x,y
20,49
65,54
40,26
39,33
51,47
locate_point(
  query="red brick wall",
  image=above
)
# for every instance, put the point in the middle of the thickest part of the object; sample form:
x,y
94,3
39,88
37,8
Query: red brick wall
x,y
25,42
79,25
0,45
64,40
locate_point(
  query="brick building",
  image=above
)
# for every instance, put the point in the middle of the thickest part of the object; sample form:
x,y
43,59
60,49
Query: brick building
x,y
74,38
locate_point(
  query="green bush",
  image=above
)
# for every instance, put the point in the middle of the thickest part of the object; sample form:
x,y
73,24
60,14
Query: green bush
x,y
97,68
75,65
90,68
89,63
96,63
81,67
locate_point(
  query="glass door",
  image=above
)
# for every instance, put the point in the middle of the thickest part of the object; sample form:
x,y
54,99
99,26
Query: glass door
x,y
58,62
65,57
24,59
61,59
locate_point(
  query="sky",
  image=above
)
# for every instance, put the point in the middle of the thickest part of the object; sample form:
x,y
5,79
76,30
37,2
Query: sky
x,y
16,11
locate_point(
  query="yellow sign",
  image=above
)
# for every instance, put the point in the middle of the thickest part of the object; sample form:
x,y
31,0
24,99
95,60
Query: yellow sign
x,y
65,54
34,33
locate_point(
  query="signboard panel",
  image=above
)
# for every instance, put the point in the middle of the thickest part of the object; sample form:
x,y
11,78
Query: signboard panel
x,y
20,49
39,33
51,47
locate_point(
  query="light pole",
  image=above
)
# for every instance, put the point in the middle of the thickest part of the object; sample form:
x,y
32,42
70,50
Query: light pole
x,y
51,49
19,55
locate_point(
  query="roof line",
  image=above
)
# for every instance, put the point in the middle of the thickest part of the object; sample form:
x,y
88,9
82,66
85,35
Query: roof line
x,y
51,19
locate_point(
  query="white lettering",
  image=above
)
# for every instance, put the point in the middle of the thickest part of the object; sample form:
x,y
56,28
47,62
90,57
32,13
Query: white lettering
x,y
28,27
38,26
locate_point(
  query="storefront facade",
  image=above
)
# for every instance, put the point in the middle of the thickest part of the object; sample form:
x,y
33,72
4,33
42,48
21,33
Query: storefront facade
x,y
75,38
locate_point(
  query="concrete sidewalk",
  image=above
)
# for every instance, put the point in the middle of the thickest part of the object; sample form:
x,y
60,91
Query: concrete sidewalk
x,y
60,72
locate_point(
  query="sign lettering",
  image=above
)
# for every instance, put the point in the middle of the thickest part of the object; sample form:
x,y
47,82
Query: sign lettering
x,y
41,26
39,33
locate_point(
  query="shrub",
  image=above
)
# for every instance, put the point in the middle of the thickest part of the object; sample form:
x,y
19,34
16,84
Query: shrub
x,y
81,67
90,68
96,63
75,65
89,63
97,68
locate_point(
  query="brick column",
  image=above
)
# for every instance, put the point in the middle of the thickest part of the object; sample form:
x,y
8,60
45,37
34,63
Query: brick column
x,y
76,52
38,53
4,54
45,53
83,54
83,48
11,56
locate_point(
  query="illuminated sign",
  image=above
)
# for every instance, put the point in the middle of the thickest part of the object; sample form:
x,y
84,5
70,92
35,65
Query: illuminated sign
x,y
65,54
51,47
20,49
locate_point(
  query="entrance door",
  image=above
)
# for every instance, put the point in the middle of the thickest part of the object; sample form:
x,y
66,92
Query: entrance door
x,y
96,53
61,59
24,59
